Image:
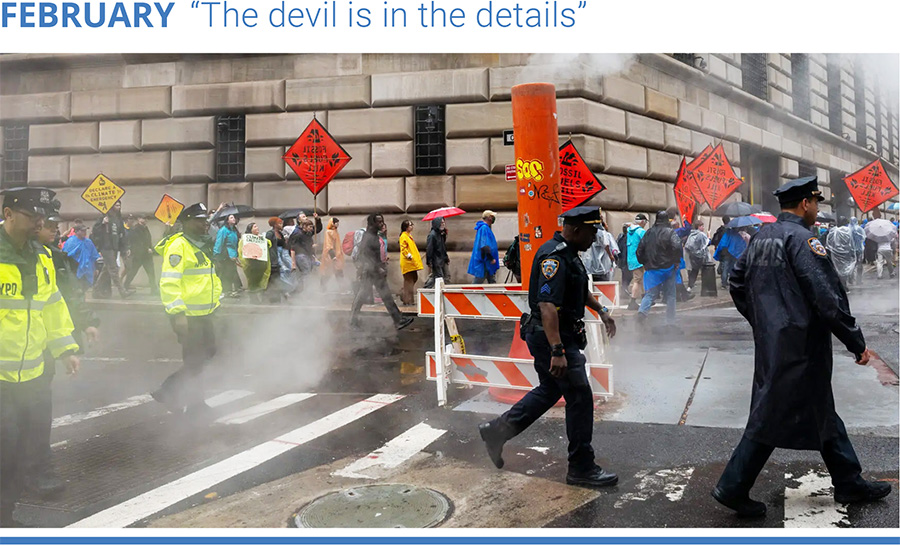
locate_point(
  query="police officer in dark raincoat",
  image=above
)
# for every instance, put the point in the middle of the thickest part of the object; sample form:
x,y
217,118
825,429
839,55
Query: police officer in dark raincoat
x,y
557,295
789,292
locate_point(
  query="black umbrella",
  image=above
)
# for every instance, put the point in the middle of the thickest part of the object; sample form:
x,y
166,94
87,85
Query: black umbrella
x,y
291,214
237,210
737,209
825,217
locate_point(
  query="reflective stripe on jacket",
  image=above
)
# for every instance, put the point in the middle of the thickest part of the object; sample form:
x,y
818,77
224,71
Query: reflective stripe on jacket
x,y
33,314
188,283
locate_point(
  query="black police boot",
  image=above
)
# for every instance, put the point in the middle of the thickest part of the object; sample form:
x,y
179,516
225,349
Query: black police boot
x,y
494,442
405,322
45,483
873,490
742,505
168,401
592,478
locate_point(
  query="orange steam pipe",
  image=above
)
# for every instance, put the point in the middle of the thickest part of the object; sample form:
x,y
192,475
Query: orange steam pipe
x,y
536,131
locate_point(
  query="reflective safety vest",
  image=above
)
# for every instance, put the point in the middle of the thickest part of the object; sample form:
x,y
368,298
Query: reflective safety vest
x,y
188,283
33,314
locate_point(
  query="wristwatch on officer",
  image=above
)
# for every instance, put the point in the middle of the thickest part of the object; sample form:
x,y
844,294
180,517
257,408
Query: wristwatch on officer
x,y
604,310
558,350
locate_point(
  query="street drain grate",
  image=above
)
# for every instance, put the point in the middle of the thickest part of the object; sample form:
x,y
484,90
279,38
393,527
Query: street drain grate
x,y
376,506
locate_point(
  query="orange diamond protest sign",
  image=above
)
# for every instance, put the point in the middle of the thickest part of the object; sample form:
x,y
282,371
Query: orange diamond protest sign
x,y
871,186
316,157
576,180
168,210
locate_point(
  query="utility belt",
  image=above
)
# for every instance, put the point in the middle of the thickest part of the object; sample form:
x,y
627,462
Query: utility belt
x,y
529,324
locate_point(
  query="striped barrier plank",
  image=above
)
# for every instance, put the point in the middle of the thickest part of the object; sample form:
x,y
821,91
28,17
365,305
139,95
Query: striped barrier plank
x,y
510,373
492,304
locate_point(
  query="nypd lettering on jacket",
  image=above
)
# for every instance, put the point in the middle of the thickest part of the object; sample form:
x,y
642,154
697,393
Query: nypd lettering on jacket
x,y
9,289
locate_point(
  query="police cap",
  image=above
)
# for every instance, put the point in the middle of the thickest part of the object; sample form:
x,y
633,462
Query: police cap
x,y
31,200
582,215
194,211
798,189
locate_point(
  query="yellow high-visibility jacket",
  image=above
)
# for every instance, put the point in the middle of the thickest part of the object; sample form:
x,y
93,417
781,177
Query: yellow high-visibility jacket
x,y
33,314
188,283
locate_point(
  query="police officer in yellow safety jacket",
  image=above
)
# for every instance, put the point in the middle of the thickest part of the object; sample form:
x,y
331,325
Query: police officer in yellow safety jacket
x,y
190,292
33,317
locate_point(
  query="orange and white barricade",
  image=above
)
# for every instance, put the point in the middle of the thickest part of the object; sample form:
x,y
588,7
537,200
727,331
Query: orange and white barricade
x,y
449,363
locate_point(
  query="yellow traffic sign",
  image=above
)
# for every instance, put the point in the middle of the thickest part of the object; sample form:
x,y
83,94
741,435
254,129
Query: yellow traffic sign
x,y
168,210
102,193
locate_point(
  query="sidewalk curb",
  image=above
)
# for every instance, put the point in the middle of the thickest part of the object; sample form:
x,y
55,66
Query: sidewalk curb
x,y
713,304
230,307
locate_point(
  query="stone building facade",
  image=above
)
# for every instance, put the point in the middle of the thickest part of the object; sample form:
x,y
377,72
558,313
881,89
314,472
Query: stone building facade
x,y
425,131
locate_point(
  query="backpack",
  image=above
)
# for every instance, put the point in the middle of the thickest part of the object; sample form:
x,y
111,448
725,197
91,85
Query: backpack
x,y
357,238
622,244
511,259
347,243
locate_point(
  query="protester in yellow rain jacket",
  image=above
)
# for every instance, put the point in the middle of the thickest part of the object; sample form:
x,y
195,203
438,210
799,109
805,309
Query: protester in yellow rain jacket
x,y
410,262
190,291
33,317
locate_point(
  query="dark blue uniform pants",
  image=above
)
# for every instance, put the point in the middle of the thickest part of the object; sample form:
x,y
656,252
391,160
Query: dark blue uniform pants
x,y
573,386
750,457
198,347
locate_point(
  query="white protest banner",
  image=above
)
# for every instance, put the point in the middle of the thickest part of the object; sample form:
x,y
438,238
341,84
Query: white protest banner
x,y
254,247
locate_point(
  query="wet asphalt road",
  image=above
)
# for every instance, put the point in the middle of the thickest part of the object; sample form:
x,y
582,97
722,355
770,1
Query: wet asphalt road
x,y
119,454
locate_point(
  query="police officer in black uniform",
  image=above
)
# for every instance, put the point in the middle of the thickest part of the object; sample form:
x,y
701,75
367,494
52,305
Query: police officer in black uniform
x,y
789,292
554,332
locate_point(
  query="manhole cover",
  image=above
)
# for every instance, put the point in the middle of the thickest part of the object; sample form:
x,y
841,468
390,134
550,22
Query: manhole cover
x,y
378,506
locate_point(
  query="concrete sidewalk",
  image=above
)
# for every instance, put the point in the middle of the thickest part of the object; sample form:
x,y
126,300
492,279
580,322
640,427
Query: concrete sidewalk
x,y
333,302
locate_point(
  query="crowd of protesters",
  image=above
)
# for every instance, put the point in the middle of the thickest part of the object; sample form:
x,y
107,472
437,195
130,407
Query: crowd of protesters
x,y
649,257
651,260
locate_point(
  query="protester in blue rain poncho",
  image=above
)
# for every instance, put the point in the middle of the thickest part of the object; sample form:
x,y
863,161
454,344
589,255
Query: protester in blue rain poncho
x,y
80,248
728,251
485,256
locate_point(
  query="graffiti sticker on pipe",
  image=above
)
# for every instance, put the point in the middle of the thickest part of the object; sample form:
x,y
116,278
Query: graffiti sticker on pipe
x,y
530,170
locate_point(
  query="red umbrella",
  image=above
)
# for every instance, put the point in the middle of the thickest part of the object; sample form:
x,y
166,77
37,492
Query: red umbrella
x,y
765,217
443,212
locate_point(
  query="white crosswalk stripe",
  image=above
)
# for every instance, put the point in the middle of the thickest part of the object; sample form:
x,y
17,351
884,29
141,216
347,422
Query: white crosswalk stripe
x,y
668,482
811,504
392,454
149,503
243,416
72,419
227,397
220,399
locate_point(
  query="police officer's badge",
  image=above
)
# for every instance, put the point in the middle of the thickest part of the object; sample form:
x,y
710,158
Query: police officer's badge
x,y
174,260
817,247
549,268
